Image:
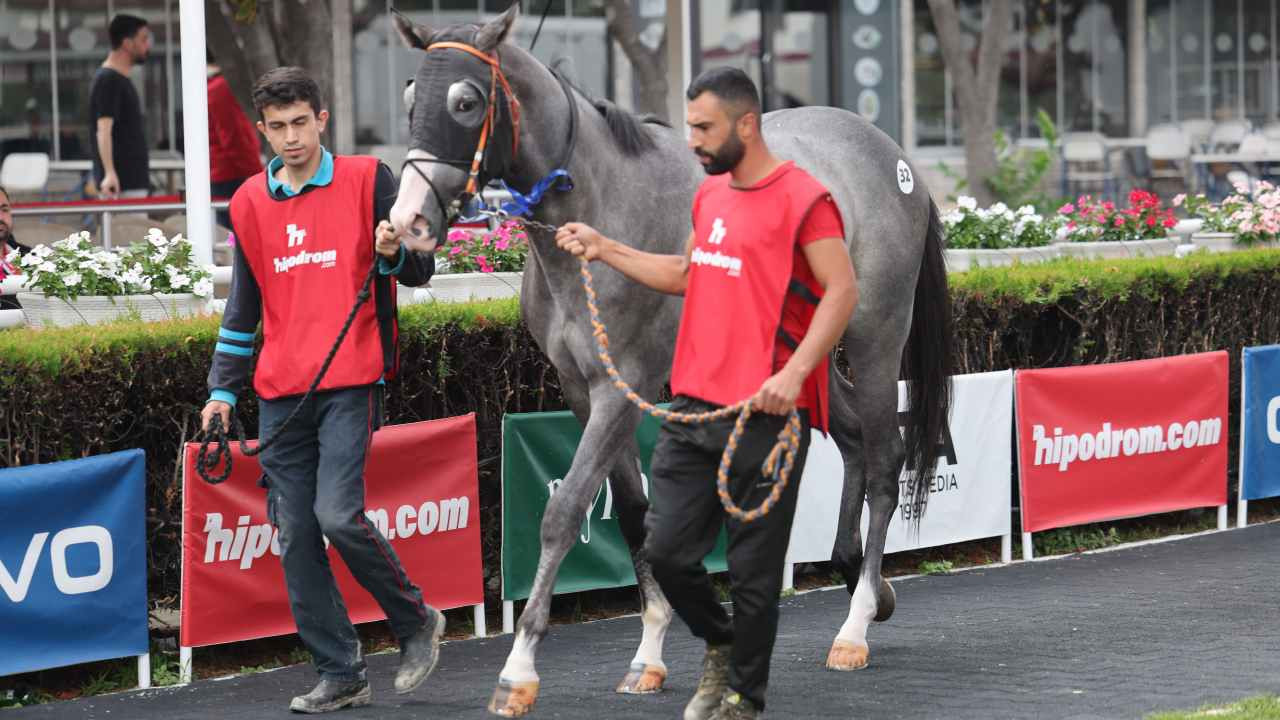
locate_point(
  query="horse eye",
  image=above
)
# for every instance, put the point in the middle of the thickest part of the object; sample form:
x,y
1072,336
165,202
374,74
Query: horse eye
x,y
465,105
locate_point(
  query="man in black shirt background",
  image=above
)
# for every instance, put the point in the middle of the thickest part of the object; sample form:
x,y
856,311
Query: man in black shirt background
x,y
117,129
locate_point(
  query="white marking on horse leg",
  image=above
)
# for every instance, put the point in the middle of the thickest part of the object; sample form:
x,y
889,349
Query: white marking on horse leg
x,y
519,667
656,619
862,608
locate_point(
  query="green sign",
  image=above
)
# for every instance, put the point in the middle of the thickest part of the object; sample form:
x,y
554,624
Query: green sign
x,y
537,450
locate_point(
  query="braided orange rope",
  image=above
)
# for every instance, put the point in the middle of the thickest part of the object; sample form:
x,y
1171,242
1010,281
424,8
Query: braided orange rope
x,y
784,450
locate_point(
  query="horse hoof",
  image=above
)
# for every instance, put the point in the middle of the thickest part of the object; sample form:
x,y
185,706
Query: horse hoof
x,y
643,679
886,601
513,699
846,656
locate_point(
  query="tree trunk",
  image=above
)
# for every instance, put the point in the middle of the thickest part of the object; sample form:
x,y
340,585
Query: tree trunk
x,y
976,92
649,67
222,42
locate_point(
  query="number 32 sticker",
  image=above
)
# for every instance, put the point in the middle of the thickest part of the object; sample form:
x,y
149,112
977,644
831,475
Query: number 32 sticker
x,y
906,182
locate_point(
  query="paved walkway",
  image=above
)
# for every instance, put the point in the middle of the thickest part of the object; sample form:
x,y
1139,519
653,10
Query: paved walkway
x,y
1109,635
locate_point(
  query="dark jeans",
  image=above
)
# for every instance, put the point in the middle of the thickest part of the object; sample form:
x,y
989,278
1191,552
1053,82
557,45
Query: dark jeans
x,y
684,520
315,477
225,189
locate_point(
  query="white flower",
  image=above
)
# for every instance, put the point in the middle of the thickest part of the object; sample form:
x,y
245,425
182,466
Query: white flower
x,y
203,288
179,280
72,279
29,259
999,208
1027,210
967,202
159,256
48,266
216,306
42,251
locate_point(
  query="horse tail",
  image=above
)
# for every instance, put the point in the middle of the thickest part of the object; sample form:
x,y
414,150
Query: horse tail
x,y
927,365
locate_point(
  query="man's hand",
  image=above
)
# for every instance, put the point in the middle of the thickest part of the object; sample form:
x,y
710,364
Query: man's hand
x,y
777,396
110,187
386,241
580,240
219,408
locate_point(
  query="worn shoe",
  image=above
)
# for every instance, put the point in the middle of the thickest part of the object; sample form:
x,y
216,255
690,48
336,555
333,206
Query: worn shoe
x,y
332,695
735,707
419,653
712,686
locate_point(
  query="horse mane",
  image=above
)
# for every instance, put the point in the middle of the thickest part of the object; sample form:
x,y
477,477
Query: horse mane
x,y
626,128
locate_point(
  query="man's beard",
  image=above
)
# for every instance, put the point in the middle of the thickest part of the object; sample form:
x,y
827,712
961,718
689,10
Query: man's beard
x,y
726,158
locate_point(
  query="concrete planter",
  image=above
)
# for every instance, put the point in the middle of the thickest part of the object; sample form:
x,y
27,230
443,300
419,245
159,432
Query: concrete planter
x,y
461,287
45,311
1120,249
959,260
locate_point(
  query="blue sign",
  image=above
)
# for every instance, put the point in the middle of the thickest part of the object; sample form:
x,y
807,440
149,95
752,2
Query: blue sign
x,y
73,562
1260,423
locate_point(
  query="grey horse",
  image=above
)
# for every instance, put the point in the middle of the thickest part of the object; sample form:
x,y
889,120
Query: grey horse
x,y
635,180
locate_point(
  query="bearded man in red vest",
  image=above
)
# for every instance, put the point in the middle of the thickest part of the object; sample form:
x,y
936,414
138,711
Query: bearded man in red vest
x,y
308,230
768,290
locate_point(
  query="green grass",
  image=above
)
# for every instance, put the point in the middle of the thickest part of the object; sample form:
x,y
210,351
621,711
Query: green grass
x,y
936,567
1265,707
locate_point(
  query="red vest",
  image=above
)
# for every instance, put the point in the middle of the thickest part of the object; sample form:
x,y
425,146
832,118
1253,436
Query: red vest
x,y
310,254
745,259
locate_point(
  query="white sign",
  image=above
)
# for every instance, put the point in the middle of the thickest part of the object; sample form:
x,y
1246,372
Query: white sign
x,y
906,181
868,71
867,37
969,493
869,104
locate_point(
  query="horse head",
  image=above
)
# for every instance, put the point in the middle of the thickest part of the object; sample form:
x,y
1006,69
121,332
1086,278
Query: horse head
x,y
464,123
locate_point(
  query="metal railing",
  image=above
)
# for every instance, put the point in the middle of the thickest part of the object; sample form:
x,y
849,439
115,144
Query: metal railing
x,y
105,211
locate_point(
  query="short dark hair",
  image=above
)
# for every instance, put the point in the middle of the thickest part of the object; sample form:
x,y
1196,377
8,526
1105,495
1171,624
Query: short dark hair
x,y
733,86
124,27
5,193
285,86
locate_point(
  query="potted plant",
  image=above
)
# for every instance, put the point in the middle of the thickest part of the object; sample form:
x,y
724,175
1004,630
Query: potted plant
x,y
1246,218
479,265
997,235
73,282
1100,229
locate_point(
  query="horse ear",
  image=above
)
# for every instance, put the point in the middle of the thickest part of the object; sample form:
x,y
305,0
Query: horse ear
x,y
496,30
414,36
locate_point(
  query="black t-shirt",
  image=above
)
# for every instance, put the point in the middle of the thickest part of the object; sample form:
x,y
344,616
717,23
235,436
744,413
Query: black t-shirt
x,y
112,95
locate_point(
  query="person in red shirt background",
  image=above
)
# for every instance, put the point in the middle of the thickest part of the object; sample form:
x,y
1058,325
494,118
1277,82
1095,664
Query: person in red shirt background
x,y
234,152
768,290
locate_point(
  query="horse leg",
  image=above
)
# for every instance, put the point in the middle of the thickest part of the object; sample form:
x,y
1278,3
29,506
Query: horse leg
x,y
612,423
647,672
876,398
846,431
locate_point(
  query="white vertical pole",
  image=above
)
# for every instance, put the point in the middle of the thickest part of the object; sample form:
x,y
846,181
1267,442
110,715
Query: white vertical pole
x,y
1028,550
907,80
106,231
344,108
144,671
508,617
168,73
1242,505
481,629
185,662
195,126
53,81
1222,517
788,577
1006,548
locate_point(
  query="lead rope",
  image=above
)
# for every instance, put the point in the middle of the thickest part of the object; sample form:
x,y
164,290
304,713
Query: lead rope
x,y
781,459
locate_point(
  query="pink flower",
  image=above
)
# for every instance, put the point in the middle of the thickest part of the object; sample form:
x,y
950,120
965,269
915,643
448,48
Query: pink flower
x,y
1151,221
1179,199
456,249
458,235
1170,222
1119,222
1066,209
501,244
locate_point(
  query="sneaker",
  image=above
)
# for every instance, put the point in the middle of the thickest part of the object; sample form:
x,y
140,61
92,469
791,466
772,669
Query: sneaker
x,y
419,654
332,695
735,707
712,686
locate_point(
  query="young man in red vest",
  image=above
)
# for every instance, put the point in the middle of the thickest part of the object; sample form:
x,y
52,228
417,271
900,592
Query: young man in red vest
x,y
768,290
308,230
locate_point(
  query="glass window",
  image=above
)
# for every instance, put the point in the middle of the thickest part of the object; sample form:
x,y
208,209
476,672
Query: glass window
x,y
26,90
1190,29
1225,78
1255,38
728,35
1161,59
932,90
1041,59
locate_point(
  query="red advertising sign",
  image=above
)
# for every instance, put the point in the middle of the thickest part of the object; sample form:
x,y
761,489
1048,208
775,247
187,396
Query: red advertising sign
x,y
421,492
1102,442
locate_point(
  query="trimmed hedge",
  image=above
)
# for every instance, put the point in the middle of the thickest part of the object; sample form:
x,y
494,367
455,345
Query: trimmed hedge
x,y
82,391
